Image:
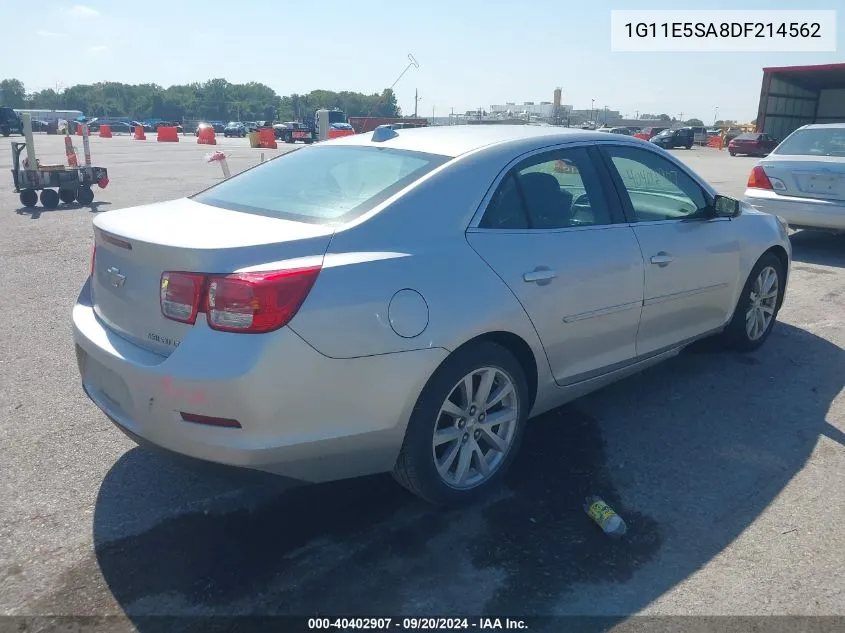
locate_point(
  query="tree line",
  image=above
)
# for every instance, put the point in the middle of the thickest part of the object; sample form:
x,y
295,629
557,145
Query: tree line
x,y
215,99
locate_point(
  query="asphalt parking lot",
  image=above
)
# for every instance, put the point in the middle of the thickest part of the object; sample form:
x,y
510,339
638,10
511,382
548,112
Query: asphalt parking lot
x,y
727,468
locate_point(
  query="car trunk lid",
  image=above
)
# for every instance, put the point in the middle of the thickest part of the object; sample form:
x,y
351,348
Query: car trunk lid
x,y
135,246
808,177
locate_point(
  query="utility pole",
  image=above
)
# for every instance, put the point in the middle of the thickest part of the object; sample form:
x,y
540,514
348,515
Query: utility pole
x,y
416,101
638,113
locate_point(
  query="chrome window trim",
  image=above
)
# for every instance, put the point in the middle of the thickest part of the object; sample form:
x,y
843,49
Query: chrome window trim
x,y
485,201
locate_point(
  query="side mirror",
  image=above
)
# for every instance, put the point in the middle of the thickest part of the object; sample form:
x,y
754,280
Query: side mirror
x,y
725,207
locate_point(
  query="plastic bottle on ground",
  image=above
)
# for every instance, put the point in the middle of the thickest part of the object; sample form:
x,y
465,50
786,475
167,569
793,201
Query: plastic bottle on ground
x,y
605,517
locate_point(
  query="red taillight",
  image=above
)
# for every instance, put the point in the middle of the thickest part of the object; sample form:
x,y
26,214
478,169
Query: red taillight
x,y
758,179
241,302
257,302
180,295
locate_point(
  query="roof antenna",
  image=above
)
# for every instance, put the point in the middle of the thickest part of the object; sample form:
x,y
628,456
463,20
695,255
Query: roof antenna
x,y
413,63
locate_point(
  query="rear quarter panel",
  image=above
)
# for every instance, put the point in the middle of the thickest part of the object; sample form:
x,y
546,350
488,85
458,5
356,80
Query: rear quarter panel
x,y
418,242
757,232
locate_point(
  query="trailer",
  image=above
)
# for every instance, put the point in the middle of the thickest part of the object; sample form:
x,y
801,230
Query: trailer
x,y
57,183
792,96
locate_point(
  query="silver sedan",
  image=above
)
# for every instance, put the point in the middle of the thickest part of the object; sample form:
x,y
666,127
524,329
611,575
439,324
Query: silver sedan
x,y
803,179
406,300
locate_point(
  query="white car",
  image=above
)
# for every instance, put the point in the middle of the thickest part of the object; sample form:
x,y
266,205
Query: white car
x,y
803,179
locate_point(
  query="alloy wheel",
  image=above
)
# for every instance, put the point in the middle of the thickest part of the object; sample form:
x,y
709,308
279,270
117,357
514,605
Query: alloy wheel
x,y
475,428
763,300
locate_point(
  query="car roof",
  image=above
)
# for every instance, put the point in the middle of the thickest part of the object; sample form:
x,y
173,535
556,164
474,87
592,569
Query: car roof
x,y
823,126
455,140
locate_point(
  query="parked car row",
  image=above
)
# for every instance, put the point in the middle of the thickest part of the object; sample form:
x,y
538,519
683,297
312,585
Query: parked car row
x,y
126,127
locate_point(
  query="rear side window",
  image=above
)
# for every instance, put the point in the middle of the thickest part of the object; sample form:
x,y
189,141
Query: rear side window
x,y
322,184
814,142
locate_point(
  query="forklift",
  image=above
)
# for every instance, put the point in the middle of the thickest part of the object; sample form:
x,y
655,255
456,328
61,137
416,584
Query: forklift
x,y
57,183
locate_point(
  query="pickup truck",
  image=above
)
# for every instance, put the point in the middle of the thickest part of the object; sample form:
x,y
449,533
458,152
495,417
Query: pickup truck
x,y
10,122
293,131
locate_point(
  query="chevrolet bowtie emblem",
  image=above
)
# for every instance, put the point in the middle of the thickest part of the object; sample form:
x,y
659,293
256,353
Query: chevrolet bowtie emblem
x,y
116,277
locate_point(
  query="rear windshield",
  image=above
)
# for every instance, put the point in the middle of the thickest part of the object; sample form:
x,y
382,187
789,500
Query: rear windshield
x,y
814,142
748,136
322,185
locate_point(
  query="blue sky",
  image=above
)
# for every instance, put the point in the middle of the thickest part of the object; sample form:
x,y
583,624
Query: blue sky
x,y
471,53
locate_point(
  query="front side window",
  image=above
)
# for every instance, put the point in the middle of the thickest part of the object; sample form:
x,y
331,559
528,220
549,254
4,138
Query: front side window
x,y
322,184
552,191
657,188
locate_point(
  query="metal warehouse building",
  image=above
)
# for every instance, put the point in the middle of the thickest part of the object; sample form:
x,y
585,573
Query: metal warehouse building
x,y
793,96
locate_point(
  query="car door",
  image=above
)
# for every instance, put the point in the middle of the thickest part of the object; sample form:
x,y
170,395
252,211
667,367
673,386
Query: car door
x,y
692,259
550,233
769,143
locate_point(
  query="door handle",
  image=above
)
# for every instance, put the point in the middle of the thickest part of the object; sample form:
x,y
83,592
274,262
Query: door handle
x,y
539,275
662,259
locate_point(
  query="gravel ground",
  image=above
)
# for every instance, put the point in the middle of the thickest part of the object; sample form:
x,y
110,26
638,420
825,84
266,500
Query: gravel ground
x,y
728,469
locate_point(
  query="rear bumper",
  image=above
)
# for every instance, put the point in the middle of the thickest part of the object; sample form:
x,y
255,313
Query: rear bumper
x,y
799,212
303,415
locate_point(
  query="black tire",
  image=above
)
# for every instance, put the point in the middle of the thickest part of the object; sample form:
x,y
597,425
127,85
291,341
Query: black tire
x,y
415,467
735,335
29,197
688,146
67,195
49,198
85,195
732,153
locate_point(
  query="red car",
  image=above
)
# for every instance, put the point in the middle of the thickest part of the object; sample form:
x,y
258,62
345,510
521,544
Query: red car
x,y
752,144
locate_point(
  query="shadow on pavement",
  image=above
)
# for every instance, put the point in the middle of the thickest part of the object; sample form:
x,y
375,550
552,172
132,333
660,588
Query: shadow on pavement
x,y
816,247
690,453
35,212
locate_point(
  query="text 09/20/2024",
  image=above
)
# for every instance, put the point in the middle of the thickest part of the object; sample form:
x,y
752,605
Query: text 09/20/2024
x,y
723,31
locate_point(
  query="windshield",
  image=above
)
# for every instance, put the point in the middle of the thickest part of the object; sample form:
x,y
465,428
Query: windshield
x,y
322,184
336,117
814,142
